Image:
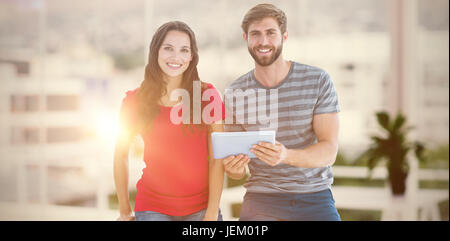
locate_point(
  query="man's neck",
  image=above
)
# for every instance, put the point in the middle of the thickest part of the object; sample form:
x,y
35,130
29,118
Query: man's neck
x,y
274,74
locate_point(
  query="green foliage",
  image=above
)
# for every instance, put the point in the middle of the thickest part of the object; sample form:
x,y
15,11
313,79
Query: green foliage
x,y
235,183
127,61
343,160
236,210
443,208
437,158
114,202
358,182
394,146
359,215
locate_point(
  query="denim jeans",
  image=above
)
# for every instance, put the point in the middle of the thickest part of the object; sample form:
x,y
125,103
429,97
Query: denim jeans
x,y
318,206
155,216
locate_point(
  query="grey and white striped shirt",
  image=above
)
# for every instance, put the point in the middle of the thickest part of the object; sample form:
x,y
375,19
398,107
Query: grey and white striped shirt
x,y
306,91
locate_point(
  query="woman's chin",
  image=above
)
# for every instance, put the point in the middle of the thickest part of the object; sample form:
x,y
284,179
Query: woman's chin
x,y
173,74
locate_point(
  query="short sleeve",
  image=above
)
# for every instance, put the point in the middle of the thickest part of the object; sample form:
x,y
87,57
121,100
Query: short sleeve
x,y
128,114
327,100
212,102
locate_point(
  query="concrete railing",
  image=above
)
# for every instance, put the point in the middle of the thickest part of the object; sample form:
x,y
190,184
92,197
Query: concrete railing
x,y
366,198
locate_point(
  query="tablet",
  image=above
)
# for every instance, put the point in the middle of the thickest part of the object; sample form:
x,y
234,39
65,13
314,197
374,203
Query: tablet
x,y
234,143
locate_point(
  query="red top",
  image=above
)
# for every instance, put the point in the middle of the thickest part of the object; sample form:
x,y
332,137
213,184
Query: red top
x,y
175,179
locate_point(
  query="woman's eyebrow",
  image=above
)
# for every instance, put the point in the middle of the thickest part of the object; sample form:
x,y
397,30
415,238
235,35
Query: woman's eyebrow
x,y
170,45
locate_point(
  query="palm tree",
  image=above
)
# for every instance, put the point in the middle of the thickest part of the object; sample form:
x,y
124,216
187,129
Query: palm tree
x,y
394,149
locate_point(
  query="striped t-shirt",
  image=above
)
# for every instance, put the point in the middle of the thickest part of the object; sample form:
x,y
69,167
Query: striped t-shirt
x,y
306,91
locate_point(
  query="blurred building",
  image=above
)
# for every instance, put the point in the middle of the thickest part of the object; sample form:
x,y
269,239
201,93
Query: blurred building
x,y
49,149
65,67
433,118
359,65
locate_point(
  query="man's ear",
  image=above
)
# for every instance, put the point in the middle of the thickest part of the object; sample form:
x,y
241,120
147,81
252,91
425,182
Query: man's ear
x,y
244,35
285,36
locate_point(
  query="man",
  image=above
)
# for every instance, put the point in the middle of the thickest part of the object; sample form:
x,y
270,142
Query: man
x,y
291,179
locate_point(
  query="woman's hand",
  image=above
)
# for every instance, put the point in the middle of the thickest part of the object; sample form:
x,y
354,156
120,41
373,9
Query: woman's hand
x,y
209,218
126,217
211,215
235,166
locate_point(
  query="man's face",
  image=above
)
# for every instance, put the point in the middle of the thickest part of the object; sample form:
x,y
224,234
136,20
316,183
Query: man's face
x,y
265,41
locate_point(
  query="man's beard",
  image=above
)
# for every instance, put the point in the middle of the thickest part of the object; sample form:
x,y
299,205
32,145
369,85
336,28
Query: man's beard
x,y
266,60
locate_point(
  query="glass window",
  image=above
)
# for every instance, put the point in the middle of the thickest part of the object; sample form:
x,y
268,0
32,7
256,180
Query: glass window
x,y
63,102
24,135
23,103
63,134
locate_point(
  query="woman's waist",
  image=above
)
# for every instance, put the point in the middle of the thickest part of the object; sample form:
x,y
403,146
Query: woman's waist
x,y
169,194
177,185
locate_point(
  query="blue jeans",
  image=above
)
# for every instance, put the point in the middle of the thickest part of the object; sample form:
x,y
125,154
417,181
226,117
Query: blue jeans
x,y
155,216
318,206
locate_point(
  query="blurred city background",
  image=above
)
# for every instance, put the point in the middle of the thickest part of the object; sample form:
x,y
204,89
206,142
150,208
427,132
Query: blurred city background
x,y
65,67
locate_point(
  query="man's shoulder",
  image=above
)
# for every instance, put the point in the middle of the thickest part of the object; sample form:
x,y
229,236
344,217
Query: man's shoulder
x,y
241,82
308,74
301,68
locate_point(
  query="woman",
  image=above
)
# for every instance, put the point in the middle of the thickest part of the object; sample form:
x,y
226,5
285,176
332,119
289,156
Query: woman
x,y
181,180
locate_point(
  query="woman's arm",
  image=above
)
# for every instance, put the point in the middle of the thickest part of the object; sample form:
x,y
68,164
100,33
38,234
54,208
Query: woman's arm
x,y
121,175
216,176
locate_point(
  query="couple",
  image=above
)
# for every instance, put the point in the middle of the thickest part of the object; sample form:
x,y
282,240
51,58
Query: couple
x,y
290,180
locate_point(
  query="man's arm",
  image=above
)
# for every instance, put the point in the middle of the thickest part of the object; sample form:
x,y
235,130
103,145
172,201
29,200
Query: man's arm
x,y
321,154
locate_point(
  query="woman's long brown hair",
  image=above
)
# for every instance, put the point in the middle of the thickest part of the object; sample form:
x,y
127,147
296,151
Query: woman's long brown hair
x,y
154,87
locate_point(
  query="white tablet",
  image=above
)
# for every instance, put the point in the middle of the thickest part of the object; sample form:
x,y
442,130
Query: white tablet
x,y
234,143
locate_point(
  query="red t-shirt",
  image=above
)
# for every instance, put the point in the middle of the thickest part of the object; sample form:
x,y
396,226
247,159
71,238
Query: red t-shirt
x,y
175,179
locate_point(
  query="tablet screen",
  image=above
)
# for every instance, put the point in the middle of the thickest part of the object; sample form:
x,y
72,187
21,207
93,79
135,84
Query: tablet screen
x,y
234,143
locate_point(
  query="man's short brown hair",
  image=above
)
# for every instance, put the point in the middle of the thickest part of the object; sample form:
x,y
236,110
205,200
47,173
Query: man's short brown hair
x,y
262,11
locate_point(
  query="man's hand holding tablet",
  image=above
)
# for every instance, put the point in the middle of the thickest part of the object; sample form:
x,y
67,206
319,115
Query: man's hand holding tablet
x,y
272,154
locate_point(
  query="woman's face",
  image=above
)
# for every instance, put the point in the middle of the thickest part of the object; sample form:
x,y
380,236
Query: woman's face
x,y
175,53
